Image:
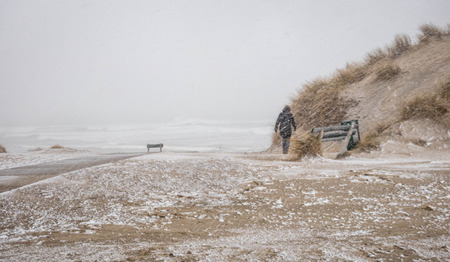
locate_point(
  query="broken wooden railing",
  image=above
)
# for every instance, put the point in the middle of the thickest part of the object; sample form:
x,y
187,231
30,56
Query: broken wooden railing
x,y
348,131
160,146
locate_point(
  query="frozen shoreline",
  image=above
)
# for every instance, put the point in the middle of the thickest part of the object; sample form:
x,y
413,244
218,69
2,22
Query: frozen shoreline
x,y
178,135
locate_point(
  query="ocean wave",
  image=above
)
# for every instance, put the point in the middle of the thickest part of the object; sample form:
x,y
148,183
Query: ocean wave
x,y
178,135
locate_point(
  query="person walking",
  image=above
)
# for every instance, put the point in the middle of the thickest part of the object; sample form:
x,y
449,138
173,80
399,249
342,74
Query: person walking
x,y
284,122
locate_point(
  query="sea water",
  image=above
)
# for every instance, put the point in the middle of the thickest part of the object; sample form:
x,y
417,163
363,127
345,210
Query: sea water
x,y
179,135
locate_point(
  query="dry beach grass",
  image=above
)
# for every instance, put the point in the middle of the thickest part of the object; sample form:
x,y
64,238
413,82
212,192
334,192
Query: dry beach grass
x,y
394,84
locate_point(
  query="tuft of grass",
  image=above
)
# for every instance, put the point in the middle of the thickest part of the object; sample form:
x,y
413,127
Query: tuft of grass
x,y
352,73
305,144
433,106
276,139
375,56
319,104
424,107
2,149
35,149
370,142
387,71
57,147
316,85
444,91
430,31
380,128
401,44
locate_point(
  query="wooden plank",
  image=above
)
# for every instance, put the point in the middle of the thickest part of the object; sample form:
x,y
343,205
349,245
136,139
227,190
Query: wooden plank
x,y
336,134
154,145
332,128
333,138
344,144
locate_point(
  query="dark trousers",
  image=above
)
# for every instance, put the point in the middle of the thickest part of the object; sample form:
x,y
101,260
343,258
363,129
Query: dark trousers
x,y
285,144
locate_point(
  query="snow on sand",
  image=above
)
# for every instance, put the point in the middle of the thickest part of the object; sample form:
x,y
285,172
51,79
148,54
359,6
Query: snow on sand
x,y
224,207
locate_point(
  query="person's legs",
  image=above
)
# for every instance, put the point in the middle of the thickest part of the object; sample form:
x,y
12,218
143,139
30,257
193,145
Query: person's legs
x,y
285,144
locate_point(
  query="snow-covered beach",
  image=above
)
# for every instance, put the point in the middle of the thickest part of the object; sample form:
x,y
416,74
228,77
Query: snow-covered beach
x,y
88,86
176,206
180,135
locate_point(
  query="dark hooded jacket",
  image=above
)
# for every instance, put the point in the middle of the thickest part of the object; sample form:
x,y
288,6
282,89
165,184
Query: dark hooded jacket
x,y
284,122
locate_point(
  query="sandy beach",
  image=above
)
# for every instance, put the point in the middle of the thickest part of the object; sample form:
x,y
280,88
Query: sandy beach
x,y
356,93
232,207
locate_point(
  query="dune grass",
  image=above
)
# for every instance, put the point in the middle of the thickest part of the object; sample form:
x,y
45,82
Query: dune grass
x,y
444,91
433,106
430,31
375,56
35,149
387,71
2,149
400,45
305,144
424,107
370,142
320,103
352,73
276,139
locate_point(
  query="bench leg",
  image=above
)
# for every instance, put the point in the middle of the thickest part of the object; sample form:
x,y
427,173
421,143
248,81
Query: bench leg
x,y
344,144
321,135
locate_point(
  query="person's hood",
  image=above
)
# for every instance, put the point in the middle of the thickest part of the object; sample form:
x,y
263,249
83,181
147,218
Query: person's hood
x,y
286,109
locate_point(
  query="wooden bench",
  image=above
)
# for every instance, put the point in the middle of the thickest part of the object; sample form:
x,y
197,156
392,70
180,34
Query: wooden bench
x,y
347,131
154,146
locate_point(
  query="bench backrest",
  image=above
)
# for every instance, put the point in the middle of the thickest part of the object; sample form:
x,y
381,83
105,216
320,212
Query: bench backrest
x,y
335,133
160,146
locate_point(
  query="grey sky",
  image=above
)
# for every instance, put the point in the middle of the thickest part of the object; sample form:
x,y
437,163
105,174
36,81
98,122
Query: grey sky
x,y
99,62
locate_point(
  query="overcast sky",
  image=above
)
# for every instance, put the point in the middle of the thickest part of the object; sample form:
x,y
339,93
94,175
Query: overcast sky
x,y
100,62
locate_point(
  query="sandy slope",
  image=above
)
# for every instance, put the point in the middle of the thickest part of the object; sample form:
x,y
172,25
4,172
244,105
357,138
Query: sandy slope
x,y
423,68
228,207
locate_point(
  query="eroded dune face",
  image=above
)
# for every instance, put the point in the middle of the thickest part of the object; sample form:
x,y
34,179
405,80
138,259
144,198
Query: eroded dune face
x,y
410,106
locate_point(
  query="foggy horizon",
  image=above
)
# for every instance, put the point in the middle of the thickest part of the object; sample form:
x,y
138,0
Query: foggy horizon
x,y
103,62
